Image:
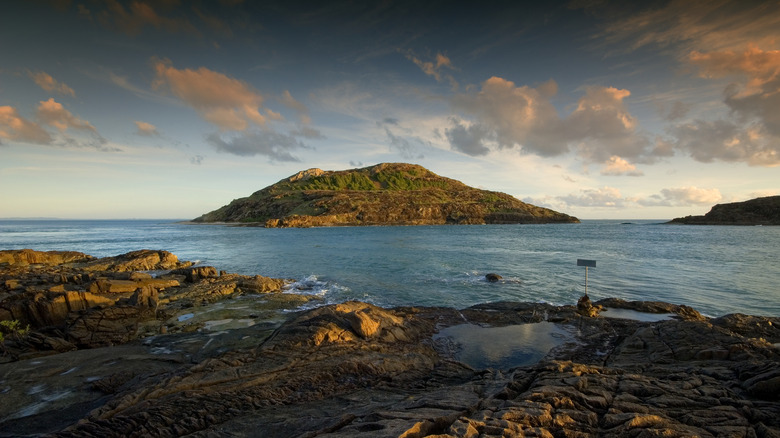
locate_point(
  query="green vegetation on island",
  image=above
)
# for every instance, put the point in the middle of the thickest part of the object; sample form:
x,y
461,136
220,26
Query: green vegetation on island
x,y
384,194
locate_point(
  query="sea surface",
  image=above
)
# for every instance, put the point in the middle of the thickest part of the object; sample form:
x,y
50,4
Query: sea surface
x,y
715,269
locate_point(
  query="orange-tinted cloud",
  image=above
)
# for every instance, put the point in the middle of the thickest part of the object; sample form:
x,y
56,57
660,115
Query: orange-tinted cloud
x,y
139,14
224,101
16,128
752,133
434,68
54,114
698,25
145,129
759,67
48,83
290,102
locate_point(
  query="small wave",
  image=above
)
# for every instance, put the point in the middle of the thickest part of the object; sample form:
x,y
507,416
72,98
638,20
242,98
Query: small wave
x,y
312,285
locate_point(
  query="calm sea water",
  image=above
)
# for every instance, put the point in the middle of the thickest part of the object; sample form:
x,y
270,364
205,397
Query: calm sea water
x,y
716,270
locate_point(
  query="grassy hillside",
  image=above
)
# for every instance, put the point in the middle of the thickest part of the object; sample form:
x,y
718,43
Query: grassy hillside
x,y
385,194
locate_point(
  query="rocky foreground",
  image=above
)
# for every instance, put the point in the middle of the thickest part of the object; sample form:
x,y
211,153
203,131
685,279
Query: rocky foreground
x,y
353,369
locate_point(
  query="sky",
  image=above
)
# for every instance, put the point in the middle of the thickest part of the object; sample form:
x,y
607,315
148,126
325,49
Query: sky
x,y
596,108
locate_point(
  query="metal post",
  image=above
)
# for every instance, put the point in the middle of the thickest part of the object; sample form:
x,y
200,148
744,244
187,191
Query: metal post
x,y
587,264
586,280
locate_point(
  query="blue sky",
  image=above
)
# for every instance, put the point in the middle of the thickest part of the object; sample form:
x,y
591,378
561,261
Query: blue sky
x,y
599,109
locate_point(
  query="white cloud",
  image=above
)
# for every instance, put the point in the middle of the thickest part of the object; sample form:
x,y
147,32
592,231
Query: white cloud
x,y
600,197
683,196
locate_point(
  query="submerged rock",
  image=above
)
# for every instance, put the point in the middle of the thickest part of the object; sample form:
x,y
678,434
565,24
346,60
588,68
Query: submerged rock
x,y
493,277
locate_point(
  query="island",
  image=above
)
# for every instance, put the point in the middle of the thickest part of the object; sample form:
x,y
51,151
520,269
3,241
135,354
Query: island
x,y
384,194
758,211
99,347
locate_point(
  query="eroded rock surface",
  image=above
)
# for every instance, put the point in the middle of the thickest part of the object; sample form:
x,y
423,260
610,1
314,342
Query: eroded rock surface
x,y
354,369
73,300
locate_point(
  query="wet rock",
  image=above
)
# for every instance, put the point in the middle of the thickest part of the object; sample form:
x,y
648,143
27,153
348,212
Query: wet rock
x,y
26,257
110,286
260,284
195,273
492,278
296,374
685,312
104,327
142,260
586,308
146,297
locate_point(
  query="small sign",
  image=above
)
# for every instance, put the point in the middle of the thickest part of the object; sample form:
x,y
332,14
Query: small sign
x,y
586,263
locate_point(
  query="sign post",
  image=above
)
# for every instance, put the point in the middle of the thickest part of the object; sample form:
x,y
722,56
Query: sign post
x,y
587,264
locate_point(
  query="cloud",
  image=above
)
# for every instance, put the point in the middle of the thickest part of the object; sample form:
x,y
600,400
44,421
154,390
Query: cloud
x,y
407,144
469,140
616,166
612,198
603,126
434,68
48,83
301,109
137,16
686,25
407,150
758,66
146,129
53,113
600,197
724,140
756,94
16,128
274,145
521,116
516,115
229,103
683,197
674,111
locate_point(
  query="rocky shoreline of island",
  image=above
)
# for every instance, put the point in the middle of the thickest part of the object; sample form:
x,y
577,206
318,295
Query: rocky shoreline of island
x,y
145,344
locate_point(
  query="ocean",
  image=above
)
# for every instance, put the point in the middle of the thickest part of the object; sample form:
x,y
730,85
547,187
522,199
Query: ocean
x,y
717,270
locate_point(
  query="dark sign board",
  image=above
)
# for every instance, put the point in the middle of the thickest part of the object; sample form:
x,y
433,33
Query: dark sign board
x,y
586,263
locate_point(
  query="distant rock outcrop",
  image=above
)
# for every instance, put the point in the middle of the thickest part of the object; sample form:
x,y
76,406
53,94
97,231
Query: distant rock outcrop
x,y
385,194
759,211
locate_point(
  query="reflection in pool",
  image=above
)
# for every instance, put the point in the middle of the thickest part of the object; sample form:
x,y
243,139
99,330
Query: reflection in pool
x,y
503,347
610,312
